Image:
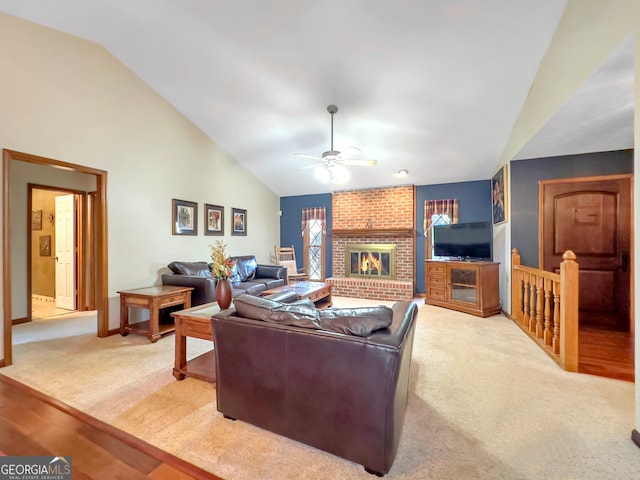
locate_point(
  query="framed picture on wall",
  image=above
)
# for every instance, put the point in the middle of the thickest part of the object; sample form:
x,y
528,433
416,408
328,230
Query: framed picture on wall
x,y
36,220
213,219
184,217
499,192
239,222
45,245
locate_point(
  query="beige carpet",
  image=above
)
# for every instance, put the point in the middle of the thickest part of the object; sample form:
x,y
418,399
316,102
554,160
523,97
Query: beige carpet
x,y
485,403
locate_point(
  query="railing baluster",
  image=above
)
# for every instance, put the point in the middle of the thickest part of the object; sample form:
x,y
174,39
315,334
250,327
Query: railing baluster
x,y
532,302
556,318
525,319
521,303
548,292
539,308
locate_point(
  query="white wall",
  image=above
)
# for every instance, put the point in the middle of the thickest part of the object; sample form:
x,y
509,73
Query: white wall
x,y
588,32
68,99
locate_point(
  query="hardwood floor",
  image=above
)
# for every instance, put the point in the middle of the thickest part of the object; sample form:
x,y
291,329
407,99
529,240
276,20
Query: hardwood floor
x,y
32,423
606,353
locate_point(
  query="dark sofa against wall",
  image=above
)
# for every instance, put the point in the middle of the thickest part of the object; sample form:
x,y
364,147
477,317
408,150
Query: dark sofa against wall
x,y
525,175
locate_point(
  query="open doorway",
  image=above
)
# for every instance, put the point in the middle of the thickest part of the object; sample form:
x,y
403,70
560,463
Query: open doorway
x,y
16,209
57,252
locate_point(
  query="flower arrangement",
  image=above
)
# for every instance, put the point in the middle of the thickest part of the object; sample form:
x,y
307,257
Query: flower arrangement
x,y
221,265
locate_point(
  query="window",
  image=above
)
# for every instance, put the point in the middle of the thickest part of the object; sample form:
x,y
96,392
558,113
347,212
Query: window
x,y
313,233
438,219
313,250
444,211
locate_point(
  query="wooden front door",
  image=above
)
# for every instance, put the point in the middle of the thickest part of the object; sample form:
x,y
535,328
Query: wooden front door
x,y
591,217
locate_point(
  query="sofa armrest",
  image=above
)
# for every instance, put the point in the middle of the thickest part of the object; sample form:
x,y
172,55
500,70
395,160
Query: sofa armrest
x,y
404,315
204,288
271,271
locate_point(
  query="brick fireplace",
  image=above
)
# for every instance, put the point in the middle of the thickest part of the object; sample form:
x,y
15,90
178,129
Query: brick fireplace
x,y
385,219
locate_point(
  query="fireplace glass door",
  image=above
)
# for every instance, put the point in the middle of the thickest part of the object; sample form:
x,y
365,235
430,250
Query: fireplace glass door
x,y
371,261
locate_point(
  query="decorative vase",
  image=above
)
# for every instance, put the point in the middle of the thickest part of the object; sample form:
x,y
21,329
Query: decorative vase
x,y
224,293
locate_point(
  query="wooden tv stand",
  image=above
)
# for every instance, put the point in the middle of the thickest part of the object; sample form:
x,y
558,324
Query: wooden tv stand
x,y
470,287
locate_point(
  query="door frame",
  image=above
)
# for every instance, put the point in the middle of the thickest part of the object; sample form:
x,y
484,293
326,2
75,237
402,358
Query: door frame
x,y
99,242
629,176
80,214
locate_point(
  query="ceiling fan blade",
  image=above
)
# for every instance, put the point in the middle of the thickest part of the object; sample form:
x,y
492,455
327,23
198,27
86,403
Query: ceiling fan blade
x,y
356,162
304,155
348,152
315,165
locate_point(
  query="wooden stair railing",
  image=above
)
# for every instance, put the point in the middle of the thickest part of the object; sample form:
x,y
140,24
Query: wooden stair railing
x,y
545,305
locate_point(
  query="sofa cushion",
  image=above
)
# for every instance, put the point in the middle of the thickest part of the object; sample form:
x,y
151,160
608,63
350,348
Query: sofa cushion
x,y
252,288
235,276
270,271
255,308
200,269
274,283
361,321
246,267
237,291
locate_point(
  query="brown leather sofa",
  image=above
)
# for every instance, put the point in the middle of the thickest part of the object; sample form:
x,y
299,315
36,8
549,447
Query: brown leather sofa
x,y
248,277
291,371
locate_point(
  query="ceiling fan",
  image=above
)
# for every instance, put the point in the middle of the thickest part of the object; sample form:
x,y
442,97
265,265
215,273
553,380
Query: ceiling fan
x,y
334,160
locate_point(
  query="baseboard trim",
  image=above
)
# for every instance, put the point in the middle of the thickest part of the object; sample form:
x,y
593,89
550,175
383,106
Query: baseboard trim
x,y
18,321
635,437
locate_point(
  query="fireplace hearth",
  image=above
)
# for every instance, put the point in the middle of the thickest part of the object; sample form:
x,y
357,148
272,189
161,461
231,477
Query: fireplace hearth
x,y
370,261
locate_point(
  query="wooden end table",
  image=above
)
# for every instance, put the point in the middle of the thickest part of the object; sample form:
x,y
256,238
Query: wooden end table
x,y
318,292
195,322
154,299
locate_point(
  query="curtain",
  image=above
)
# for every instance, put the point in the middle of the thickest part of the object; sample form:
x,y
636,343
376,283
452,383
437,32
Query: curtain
x,y
439,207
316,213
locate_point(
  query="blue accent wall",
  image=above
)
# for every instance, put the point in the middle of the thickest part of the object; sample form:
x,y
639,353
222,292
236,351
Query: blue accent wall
x,y
474,205
525,175
291,221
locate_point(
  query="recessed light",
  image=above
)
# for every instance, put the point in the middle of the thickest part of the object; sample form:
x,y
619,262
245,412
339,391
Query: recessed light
x,y
403,173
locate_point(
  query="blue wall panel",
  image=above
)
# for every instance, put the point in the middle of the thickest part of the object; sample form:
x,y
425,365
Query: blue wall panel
x,y
291,220
525,175
474,205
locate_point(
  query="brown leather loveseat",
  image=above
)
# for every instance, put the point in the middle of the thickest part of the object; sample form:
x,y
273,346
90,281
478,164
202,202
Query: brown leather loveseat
x,y
248,277
335,379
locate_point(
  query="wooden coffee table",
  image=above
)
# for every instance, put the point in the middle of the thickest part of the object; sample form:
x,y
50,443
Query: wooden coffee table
x,y
318,292
195,322
154,299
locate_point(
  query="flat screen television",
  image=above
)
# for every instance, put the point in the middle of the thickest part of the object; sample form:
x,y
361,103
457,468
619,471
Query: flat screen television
x,y
467,241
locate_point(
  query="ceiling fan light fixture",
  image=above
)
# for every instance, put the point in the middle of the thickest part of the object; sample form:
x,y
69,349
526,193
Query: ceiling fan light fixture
x,y
322,174
332,174
339,174
334,171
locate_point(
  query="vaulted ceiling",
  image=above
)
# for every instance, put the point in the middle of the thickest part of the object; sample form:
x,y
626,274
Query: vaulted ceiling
x,y
430,86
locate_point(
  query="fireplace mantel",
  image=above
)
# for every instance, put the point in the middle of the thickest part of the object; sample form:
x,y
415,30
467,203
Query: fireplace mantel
x,y
372,231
